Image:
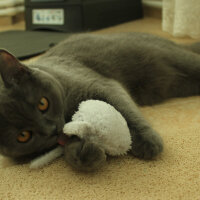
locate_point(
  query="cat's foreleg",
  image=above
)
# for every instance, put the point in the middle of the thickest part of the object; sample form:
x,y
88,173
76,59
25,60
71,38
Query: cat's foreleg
x,y
146,143
83,155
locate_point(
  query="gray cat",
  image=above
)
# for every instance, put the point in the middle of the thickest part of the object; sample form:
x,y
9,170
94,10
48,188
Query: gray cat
x,y
122,69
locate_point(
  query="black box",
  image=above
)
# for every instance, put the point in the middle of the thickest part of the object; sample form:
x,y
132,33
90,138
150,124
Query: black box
x,y
79,15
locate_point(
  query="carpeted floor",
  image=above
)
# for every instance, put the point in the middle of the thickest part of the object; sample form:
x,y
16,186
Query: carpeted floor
x,y
173,175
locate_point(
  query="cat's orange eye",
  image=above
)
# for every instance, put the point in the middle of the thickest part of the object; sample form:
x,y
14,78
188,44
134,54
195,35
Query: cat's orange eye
x,y
43,104
24,136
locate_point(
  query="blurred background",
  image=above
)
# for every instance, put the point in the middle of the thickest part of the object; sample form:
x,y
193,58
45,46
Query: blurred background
x,y
178,17
178,20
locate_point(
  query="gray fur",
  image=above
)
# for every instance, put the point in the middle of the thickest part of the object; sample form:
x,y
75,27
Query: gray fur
x,y
122,69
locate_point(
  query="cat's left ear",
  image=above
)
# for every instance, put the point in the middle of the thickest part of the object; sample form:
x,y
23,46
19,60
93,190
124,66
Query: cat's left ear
x,y
12,71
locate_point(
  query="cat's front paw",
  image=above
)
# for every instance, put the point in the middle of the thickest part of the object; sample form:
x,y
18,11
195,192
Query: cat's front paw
x,y
147,145
84,156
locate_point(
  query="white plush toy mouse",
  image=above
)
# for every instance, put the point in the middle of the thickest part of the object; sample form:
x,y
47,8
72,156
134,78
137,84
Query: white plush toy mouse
x,y
97,122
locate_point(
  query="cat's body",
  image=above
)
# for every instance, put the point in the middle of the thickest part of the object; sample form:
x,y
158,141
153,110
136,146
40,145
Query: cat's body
x,y
121,69
150,68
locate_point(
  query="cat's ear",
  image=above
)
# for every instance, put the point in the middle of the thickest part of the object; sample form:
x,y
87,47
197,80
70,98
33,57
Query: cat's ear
x,y
12,71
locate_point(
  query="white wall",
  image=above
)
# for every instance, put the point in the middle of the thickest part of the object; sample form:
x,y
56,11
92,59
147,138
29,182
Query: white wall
x,y
153,3
11,7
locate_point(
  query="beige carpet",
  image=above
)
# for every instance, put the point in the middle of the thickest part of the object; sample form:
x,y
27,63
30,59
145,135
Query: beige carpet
x,y
174,175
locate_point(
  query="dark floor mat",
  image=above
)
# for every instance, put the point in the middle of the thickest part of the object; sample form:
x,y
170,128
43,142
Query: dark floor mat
x,y
25,44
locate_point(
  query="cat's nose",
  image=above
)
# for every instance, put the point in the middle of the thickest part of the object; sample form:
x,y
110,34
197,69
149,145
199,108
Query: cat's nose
x,y
55,131
50,130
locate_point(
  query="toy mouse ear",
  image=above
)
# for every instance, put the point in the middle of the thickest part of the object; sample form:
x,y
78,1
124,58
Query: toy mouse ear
x,y
12,71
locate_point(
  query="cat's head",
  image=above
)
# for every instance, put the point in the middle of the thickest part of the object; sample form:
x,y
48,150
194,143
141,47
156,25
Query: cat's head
x,y
31,108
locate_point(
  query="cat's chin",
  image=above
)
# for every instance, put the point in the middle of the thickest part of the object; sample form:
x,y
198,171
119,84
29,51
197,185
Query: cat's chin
x,y
27,158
